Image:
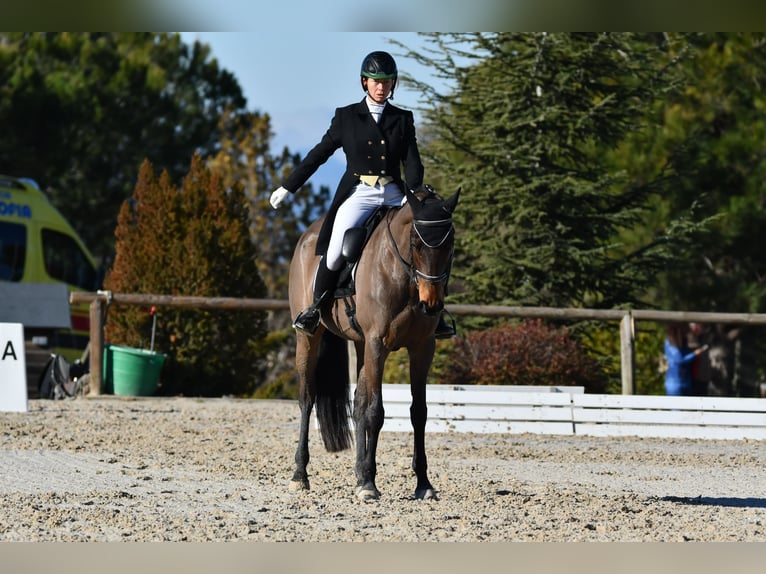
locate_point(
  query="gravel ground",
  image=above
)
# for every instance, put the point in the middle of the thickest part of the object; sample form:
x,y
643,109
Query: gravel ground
x,y
183,469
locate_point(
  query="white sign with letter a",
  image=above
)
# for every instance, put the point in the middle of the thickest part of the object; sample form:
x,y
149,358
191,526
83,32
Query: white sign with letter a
x,y
13,368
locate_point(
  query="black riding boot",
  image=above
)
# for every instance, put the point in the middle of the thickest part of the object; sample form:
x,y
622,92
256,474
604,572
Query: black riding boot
x,y
443,329
324,286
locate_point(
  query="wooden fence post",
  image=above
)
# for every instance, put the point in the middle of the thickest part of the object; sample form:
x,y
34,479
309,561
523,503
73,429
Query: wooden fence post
x,y
627,354
96,345
352,363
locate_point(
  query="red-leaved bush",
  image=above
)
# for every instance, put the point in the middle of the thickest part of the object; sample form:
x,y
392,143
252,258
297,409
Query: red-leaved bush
x,y
528,353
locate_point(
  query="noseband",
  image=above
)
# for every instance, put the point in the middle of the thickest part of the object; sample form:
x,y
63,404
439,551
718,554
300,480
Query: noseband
x,y
426,232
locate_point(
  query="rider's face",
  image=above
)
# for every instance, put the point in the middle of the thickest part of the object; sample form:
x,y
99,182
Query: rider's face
x,y
378,90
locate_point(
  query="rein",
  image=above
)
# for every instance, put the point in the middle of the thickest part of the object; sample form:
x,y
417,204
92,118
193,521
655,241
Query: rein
x,y
413,272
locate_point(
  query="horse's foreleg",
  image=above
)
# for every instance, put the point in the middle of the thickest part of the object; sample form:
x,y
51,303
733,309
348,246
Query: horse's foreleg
x,y
420,363
368,420
368,417
305,362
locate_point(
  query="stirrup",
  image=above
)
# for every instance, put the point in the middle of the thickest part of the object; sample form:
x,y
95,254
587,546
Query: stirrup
x,y
443,329
307,320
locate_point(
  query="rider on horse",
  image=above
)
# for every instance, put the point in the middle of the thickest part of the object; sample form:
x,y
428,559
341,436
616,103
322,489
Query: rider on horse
x,y
377,139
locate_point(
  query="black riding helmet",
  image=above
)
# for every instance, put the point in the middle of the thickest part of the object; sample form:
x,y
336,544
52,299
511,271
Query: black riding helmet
x,y
379,66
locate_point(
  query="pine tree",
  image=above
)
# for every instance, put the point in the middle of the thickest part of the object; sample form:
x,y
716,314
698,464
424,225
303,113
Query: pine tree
x,y
190,241
526,131
81,110
244,156
715,129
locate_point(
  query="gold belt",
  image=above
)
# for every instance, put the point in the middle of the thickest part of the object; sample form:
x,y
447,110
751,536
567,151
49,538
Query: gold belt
x,y
373,180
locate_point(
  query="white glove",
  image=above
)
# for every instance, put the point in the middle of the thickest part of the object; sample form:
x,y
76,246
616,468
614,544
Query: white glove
x,y
278,197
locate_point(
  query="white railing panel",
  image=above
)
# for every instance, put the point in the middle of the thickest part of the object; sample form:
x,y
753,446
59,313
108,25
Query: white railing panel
x,y
517,410
485,412
479,427
666,431
665,417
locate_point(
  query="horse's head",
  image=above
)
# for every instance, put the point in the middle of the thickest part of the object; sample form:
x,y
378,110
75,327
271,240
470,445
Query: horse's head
x,y
431,244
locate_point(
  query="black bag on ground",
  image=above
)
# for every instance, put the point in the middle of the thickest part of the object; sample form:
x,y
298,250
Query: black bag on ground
x,y
55,382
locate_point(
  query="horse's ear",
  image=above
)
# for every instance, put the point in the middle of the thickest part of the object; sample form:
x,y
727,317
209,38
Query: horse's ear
x,y
451,203
412,200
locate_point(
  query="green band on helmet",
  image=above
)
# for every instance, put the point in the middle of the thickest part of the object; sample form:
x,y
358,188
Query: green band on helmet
x,y
380,76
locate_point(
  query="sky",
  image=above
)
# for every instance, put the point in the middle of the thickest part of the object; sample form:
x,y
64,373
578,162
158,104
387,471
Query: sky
x,y
299,80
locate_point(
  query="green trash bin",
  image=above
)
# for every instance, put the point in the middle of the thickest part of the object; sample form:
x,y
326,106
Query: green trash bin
x,y
131,372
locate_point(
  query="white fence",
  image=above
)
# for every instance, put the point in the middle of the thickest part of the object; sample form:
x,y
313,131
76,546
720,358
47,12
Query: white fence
x,y
567,411
484,409
669,417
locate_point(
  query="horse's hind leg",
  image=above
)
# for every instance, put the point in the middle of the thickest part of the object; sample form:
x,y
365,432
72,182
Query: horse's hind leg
x,y
420,363
306,354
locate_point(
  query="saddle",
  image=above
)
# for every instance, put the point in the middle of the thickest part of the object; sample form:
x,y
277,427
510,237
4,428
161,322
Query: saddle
x,y
354,241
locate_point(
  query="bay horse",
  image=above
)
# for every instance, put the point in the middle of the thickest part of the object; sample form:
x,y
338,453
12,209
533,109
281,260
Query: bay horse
x,y
400,282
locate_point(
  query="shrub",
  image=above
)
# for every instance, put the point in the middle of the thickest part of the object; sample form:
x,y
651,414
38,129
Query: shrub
x,y
190,241
602,340
527,353
397,368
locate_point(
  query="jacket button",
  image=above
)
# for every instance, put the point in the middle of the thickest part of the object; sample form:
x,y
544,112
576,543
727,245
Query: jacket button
x,y
382,142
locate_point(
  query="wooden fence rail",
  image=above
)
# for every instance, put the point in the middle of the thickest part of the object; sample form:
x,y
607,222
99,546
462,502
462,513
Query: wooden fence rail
x,y
100,300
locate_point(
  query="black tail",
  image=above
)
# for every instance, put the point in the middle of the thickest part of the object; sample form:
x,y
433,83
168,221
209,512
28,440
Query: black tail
x,y
332,402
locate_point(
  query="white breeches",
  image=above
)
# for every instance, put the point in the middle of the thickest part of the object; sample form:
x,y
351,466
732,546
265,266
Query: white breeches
x,y
355,210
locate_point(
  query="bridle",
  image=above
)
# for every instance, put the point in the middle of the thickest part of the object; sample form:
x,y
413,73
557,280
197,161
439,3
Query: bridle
x,y
412,271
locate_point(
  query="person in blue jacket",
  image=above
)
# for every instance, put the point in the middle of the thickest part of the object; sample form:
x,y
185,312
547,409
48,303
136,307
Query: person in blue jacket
x,y
678,376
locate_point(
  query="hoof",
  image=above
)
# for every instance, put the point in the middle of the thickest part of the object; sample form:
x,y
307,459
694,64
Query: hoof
x,y
366,493
425,494
299,485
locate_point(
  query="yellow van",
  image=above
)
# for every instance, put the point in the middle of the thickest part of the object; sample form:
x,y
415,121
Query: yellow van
x,y
37,245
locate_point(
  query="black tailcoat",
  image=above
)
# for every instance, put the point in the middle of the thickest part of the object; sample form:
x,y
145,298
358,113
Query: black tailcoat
x,y
371,148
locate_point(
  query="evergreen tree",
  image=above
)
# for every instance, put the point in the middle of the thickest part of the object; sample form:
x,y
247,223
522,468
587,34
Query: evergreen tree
x,y
81,110
244,156
714,130
526,131
190,241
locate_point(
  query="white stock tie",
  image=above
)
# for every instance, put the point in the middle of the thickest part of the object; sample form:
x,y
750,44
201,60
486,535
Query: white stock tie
x,y
375,109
